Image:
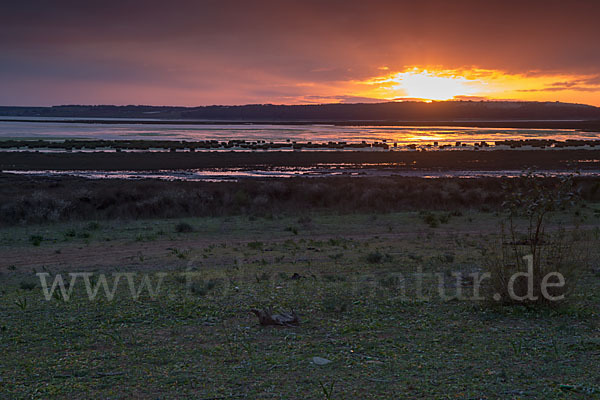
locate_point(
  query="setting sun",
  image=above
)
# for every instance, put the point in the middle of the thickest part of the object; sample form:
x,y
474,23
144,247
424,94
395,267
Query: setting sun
x,y
429,84
439,83
432,86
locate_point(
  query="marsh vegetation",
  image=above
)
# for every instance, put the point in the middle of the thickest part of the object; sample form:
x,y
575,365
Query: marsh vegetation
x,y
351,269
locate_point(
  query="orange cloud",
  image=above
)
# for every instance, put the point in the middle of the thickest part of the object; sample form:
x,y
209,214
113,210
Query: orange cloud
x,y
437,83
269,51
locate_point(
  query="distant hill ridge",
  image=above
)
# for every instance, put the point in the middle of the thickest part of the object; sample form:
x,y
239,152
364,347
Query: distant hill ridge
x,y
390,111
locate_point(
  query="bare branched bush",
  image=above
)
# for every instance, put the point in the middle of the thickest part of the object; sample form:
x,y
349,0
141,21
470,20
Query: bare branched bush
x,y
536,263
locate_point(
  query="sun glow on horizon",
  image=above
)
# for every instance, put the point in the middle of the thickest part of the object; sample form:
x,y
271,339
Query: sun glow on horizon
x,y
436,83
429,85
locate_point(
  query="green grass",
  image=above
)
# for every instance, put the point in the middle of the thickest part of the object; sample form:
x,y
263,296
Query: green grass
x,y
197,338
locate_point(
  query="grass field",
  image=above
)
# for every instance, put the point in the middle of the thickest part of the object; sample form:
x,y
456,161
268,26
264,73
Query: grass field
x,y
355,293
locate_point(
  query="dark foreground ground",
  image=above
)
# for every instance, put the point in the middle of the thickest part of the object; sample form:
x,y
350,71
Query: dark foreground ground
x,y
343,253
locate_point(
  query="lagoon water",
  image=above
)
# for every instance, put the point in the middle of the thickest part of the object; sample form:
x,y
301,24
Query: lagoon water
x,y
12,128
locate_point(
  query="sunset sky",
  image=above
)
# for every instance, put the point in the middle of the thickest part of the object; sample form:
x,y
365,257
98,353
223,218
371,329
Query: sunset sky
x,y
237,52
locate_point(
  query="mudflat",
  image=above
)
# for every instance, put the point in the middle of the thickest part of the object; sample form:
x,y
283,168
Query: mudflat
x,y
458,160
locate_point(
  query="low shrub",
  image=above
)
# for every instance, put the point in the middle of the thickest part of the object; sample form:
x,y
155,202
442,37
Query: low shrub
x,y
183,227
36,240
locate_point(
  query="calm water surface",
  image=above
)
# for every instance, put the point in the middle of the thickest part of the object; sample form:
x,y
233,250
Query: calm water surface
x,y
278,133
